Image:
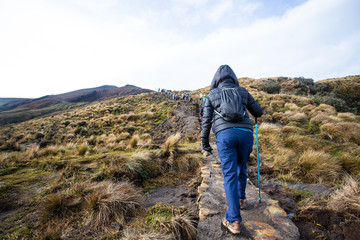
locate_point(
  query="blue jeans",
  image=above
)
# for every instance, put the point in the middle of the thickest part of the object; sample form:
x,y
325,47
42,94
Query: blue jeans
x,y
234,147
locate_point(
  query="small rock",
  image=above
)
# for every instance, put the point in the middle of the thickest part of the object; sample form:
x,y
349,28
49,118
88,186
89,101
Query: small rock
x,y
262,231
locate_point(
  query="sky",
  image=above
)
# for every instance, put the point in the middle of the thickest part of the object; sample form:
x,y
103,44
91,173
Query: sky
x,y
56,46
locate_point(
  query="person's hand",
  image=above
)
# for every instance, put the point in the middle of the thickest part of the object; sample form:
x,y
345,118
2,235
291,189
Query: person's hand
x,y
205,145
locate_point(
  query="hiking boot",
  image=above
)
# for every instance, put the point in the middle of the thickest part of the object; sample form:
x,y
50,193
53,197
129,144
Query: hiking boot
x,y
233,228
242,204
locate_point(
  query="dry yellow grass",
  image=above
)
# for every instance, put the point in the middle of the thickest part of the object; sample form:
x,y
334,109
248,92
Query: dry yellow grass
x,y
268,128
348,117
317,167
351,163
324,108
83,148
110,202
277,104
347,197
124,135
308,108
342,132
283,159
296,117
301,143
172,142
134,141
292,107
292,130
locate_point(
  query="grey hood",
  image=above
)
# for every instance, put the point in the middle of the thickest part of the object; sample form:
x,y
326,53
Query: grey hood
x,y
224,75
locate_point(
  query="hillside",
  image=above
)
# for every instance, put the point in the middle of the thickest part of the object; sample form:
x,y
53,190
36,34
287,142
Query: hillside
x,y
18,110
59,174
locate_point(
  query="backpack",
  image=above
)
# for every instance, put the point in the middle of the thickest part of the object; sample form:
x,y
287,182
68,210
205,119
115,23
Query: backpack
x,y
231,108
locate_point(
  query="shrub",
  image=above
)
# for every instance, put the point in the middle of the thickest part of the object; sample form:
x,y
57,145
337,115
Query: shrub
x,y
270,86
317,167
338,103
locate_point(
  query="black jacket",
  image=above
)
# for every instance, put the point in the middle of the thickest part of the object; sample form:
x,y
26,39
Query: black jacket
x,y
226,78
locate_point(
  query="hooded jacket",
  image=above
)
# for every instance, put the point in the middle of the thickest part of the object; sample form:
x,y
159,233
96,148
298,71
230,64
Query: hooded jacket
x,y
226,78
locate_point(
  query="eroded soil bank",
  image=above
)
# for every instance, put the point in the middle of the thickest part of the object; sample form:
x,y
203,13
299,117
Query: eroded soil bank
x,y
313,223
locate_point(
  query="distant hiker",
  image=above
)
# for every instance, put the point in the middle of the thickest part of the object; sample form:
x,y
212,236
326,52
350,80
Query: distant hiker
x,y
159,90
234,137
203,100
183,96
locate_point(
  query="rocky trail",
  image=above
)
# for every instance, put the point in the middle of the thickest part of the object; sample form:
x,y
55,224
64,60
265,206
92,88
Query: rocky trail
x,y
261,220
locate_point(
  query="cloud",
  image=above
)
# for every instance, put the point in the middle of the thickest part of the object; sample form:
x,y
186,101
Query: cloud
x,y
217,11
49,47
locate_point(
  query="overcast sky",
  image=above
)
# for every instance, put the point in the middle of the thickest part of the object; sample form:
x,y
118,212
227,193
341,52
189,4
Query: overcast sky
x,y
55,46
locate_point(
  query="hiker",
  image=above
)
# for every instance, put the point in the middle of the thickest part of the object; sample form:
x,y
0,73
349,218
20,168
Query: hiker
x,y
234,139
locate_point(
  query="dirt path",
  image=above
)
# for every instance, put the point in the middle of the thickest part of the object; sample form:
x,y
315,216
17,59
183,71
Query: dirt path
x,y
265,220
185,119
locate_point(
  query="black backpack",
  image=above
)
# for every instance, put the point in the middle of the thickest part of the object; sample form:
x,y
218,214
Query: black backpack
x,y
231,108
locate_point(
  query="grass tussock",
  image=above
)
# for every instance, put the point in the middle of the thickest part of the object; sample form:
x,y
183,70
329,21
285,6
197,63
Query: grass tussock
x,y
342,132
174,220
269,128
323,108
124,135
55,206
111,202
292,130
350,163
171,143
347,197
348,117
83,148
134,141
317,167
188,163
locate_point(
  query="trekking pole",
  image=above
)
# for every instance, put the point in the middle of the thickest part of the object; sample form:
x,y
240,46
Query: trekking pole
x,y
257,154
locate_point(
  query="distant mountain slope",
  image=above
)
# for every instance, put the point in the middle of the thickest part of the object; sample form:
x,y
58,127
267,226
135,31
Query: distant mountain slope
x,y
15,110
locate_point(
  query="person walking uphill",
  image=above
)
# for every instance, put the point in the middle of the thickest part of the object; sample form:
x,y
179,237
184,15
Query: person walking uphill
x,y
234,137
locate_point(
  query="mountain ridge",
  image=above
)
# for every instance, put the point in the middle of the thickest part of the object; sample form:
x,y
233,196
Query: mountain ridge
x,y
15,110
